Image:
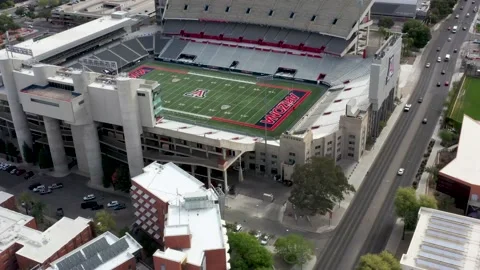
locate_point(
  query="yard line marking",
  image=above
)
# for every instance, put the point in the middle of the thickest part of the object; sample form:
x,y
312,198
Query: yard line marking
x,y
220,78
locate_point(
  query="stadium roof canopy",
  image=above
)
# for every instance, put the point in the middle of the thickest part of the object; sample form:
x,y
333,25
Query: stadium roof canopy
x,y
68,39
395,8
329,17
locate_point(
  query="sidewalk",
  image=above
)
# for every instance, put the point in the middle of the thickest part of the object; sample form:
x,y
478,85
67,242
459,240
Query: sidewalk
x,y
326,223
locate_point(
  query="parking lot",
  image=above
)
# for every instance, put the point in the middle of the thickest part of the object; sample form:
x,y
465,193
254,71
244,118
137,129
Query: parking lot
x,y
69,197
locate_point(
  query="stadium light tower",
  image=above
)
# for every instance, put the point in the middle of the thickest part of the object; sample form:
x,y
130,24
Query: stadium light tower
x,y
262,79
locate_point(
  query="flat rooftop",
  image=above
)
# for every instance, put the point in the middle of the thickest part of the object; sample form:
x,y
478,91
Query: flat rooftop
x,y
4,196
51,93
203,224
60,42
466,166
167,181
444,241
97,254
37,245
102,7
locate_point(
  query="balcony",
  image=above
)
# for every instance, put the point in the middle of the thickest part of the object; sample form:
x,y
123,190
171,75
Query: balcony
x,y
53,102
214,162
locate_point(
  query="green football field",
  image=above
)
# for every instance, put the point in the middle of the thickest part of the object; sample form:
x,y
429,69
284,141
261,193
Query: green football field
x,y
467,101
229,101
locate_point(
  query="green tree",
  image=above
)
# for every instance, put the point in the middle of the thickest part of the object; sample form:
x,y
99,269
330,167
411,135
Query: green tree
x,y
384,34
104,222
44,159
407,45
246,253
31,8
447,137
28,153
20,38
433,171
26,201
294,249
407,205
319,185
383,261
7,23
38,211
123,181
419,32
45,13
386,22
123,231
20,11
43,3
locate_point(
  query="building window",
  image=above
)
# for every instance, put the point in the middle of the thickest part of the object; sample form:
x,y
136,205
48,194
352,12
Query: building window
x,y
274,163
185,7
329,143
351,136
292,15
291,161
314,17
227,9
251,157
162,267
262,154
141,94
199,145
274,156
270,13
351,148
248,10
318,147
81,102
329,149
291,154
351,143
339,137
339,157
335,21
350,155
318,153
262,160
45,102
206,7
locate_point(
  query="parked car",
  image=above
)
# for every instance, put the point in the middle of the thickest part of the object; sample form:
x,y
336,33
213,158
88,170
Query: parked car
x,y
59,212
20,172
401,171
238,227
34,185
56,186
447,83
39,188
120,207
112,204
89,197
11,168
264,239
89,204
28,175
13,171
258,234
97,207
45,191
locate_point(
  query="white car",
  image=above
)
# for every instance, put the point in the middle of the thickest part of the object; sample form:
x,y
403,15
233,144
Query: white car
x,y
89,197
264,240
457,16
113,204
427,65
401,171
258,234
238,227
439,59
449,39
39,188
407,107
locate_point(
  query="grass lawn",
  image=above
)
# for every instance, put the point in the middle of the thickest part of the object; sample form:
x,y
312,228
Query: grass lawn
x,y
229,101
468,100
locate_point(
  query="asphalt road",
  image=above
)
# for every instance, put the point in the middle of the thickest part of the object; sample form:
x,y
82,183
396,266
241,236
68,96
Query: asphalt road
x,y
368,223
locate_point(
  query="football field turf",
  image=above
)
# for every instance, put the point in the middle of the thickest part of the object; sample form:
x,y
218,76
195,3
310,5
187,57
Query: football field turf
x,y
467,101
229,101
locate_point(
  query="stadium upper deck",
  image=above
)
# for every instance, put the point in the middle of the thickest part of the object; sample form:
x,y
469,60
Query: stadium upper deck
x,y
336,18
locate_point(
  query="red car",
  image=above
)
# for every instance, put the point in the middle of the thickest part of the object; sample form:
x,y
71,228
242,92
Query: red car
x,y
447,83
20,172
449,28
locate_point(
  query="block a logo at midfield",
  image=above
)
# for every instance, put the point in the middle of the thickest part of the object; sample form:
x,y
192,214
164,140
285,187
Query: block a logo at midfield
x,y
140,72
197,93
283,109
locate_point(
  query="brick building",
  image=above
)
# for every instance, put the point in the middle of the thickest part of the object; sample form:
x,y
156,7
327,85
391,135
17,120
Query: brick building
x,y
105,252
22,246
178,211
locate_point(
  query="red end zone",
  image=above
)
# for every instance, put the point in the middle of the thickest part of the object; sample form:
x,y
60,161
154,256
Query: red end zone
x,y
145,69
276,115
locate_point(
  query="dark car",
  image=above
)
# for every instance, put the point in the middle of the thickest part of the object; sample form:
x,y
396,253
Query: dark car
x,y
438,49
28,175
443,72
34,185
420,100
97,207
20,172
11,168
120,207
439,84
89,204
59,212
461,8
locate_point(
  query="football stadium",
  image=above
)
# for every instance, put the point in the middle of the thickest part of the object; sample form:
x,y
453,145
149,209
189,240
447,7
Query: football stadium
x,y
466,100
219,89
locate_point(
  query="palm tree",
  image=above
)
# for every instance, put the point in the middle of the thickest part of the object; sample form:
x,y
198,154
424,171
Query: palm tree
x,y
26,201
433,171
384,34
38,211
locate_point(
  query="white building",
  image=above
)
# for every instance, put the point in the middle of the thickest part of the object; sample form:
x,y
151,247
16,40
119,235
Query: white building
x,y
443,240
